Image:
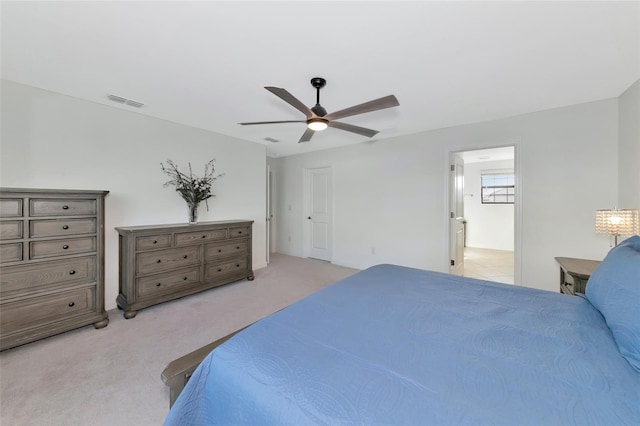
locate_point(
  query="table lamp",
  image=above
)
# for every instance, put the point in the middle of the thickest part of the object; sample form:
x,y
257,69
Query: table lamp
x,y
617,222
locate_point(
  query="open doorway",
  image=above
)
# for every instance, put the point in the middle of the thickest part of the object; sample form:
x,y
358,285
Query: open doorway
x,y
488,205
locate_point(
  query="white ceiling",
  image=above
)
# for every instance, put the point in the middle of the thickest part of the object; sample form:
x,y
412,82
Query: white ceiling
x,y
205,64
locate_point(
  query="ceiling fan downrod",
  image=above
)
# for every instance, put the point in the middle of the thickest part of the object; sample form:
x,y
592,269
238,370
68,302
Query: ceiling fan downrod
x,y
318,83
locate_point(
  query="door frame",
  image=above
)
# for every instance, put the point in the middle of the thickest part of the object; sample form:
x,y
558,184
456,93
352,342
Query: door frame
x,y
518,207
306,203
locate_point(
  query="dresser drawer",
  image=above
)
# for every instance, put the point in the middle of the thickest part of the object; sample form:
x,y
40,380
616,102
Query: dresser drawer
x,y
157,261
10,253
60,227
61,207
48,248
202,236
53,307
213,271
239,232
154,241
23,278
11,207
167,283
220,251
10,230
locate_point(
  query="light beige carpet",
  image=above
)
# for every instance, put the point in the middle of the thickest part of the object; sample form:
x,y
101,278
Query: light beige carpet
x,y
112,376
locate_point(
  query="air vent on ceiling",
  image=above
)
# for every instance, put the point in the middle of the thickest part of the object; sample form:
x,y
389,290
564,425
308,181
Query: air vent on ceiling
x,y
121,100
271,140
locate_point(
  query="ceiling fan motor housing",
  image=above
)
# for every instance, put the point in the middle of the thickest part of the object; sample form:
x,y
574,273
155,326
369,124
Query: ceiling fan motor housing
x,y
319,110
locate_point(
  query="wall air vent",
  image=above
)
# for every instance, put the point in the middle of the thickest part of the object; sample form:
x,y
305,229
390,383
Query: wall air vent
x,y
121,100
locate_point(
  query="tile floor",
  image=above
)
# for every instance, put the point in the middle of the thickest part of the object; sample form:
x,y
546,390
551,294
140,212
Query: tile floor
x,y
487,264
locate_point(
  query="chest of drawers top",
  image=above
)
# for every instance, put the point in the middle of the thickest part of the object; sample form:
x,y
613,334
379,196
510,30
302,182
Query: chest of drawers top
x,y
16,204
150,237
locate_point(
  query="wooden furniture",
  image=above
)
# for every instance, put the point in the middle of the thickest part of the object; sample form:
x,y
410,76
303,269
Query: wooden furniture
x,y
51,263
574,274
164,262
179,371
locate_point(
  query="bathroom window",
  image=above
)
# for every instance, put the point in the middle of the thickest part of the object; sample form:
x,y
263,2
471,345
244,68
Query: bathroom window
x,y
498,187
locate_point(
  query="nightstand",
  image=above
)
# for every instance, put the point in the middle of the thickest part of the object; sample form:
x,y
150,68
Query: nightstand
x,y
574,274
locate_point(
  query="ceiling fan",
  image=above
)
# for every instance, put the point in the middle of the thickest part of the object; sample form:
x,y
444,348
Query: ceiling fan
x,y
317,117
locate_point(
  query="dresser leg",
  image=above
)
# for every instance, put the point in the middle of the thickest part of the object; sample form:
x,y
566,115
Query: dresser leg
x,y
130,314
101,324
251,277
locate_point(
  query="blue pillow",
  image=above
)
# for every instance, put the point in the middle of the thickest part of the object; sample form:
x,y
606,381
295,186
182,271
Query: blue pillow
x,y
614,289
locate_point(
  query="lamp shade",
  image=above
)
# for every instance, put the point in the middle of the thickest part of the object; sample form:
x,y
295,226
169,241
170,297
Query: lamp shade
x,y
317,124
617,222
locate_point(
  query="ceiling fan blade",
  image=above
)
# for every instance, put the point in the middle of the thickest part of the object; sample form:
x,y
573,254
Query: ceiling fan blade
x,y
354,129
307,135
291,100
375,105
273,122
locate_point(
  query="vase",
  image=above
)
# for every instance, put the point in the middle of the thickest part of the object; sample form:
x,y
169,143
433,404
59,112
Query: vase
x,y
193,213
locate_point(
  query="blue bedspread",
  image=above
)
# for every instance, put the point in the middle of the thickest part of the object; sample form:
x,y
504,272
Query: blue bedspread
x,y
393,345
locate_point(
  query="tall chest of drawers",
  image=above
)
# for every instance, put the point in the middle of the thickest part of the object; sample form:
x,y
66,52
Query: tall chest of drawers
x,y
164,262
51,263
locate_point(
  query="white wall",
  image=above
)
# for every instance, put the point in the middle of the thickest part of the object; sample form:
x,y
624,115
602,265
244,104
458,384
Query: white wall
x,y
629,146
391,194
488,226
55,141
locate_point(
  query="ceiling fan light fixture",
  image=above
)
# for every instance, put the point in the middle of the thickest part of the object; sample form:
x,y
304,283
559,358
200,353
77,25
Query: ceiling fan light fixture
x,y
317,124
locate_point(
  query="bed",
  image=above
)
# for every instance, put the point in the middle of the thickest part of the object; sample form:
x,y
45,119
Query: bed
x,y
396,345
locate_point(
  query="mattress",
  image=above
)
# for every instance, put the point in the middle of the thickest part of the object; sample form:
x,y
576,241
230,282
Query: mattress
x,y
396,345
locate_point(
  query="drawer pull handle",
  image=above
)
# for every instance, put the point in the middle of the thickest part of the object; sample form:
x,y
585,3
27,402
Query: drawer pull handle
x,y
64,247
65,207
158,261
204,236
238,248
185,256
65,226
155,241
158,285
72,272
219,250
239,232
184,279
237,266
219,270
72,304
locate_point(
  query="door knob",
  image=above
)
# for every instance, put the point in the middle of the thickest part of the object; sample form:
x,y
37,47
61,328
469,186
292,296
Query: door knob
x,y
309,217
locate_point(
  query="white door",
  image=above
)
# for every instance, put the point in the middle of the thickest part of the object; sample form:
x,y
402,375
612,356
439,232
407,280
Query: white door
x,y
456,215
269,212
319,213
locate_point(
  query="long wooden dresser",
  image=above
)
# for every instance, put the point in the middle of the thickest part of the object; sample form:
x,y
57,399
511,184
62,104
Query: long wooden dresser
x,y
51,263
164,262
